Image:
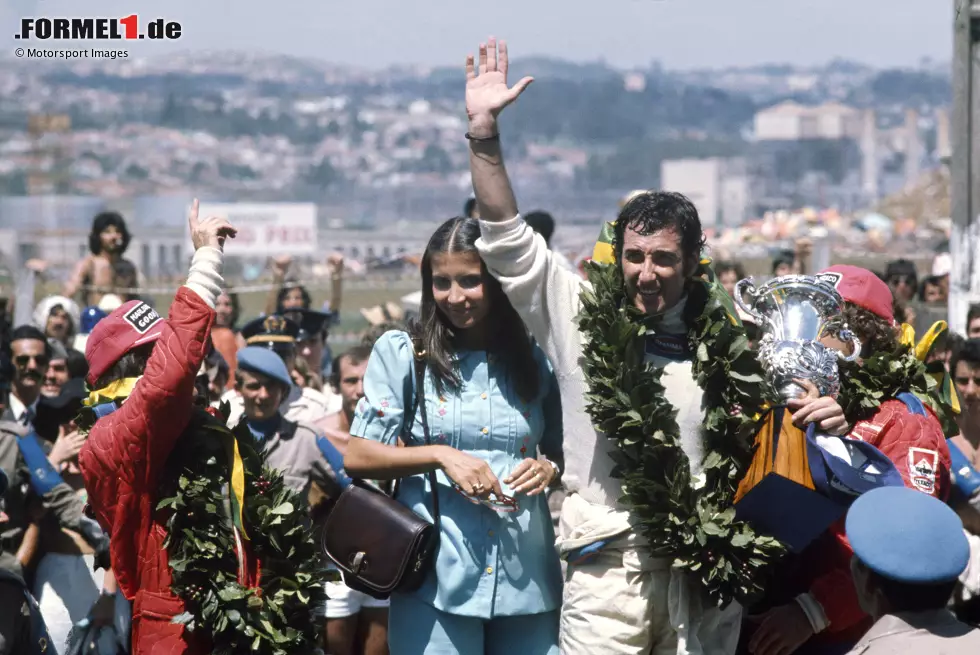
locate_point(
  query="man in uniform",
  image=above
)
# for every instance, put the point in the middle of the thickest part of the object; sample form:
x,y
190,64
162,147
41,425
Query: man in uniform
x,y
264,383
278,334
909,551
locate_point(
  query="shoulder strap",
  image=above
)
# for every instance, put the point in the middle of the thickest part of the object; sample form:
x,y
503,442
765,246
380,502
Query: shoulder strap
x,y
420,403
912,403
418,407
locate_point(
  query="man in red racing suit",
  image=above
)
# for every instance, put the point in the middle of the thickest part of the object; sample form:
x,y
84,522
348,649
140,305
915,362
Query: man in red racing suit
x,y
125,453
814,605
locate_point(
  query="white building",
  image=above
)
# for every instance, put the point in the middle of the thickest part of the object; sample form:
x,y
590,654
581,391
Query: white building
x,y
718,187
791,121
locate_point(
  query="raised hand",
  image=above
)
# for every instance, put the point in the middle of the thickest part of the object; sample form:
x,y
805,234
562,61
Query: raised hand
x,y
487,92
280,265
211,232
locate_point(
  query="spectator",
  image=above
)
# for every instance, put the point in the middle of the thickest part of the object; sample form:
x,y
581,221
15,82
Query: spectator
x,y
903,279
58,317
356,622
225,335
964,367
728,274
973,322
932,291
57,373
783,263
105,270
909,552
30,353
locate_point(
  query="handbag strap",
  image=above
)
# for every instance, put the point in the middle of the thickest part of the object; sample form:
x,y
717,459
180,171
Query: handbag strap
x,y
418,407
419,361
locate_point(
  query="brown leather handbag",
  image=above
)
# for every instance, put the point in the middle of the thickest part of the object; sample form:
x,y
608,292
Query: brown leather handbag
x,y
380,545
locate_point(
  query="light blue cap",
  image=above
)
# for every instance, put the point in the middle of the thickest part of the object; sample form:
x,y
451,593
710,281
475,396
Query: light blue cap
x,y
907,536
256,359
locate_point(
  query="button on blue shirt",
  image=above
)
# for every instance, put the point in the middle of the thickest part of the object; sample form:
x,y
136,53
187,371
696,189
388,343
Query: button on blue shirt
x,y
489,563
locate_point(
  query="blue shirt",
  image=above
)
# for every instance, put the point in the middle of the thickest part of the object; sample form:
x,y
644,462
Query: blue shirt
x,y
489,563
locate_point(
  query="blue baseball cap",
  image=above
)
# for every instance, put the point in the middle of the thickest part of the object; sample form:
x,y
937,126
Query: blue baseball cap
x,y
907,536
256,359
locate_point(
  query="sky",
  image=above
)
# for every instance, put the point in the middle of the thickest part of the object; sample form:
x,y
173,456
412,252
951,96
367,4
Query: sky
x,y
680,34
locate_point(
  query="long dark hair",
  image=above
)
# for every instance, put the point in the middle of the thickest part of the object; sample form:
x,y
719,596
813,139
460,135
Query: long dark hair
x,y
100,224
509,338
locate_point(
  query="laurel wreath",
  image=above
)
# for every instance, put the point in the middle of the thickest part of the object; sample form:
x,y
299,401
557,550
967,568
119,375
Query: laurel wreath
x,y
692,522
275,618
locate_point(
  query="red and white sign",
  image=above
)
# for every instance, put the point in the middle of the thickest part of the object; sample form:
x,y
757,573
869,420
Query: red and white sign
x,y
268,229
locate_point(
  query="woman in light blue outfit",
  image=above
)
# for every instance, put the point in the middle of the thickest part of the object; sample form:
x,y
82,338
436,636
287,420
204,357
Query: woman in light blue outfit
x,y
492,402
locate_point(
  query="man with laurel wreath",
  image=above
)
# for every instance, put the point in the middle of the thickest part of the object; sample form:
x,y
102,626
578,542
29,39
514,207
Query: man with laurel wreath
x,y
653,338
157,469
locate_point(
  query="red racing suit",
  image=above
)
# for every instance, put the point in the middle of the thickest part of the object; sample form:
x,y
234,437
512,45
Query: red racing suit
x,y
122,462
917,446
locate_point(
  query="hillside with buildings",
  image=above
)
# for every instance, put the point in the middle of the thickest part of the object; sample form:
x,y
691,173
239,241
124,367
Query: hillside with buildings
x,y
375,146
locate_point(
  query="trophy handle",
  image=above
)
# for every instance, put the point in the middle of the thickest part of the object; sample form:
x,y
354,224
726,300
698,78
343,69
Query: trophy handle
x,y
745,287
847,335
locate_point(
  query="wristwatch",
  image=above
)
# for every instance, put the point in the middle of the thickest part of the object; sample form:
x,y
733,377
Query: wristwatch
x,y
554,466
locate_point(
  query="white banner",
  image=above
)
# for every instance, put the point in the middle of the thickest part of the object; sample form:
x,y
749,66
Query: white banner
x,y
268,229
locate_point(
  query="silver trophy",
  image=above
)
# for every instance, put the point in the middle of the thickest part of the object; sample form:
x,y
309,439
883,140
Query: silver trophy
x,y
794,312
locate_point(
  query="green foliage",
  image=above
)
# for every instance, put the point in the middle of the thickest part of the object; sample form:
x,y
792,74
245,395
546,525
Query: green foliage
x,y
690,521
276,618
882,377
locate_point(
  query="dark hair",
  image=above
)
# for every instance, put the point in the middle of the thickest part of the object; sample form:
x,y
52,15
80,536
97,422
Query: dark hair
x,y
509,338
236,307
100,224
902,268
284,291
29,332
968,351
468,207
541,222
787,257
77,364
905,597
356,355
130,365
724,266
931,281
652,211
972,314
876,334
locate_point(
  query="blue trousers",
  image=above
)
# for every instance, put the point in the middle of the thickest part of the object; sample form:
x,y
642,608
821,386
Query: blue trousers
x,y
417,628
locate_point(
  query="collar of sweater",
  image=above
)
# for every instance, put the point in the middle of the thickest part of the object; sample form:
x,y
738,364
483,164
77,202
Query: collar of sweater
x,y
670,321
262,430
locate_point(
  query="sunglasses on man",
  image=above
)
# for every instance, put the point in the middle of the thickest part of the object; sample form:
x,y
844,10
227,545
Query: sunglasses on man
x,y
23,360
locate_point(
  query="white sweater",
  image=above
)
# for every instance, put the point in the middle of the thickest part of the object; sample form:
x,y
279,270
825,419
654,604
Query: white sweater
x,y
546,295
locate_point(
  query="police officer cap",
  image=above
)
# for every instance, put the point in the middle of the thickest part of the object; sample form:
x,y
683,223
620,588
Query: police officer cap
x,y
311,323
907,536
263,361
270,331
